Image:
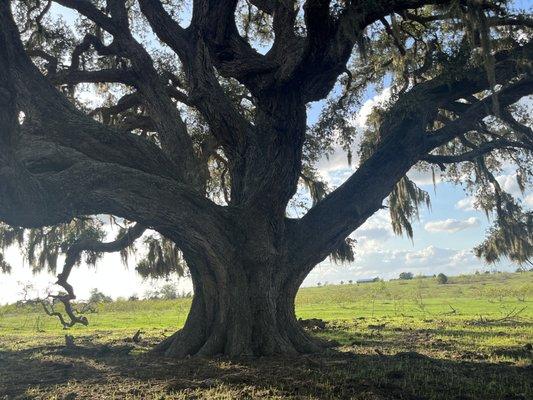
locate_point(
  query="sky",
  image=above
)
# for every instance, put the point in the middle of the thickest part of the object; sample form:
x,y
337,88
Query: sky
x,y
443,238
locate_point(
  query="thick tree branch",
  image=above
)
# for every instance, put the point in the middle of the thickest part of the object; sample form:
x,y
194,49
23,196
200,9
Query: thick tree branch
x,y
87,8
174,138
133,100
469,119
286,42
330,41
50,114
125,103
87,42
403,142
226,123
232,55
69,165
52,61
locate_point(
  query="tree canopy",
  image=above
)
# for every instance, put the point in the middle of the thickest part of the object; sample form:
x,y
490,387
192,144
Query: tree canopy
x,y
188,118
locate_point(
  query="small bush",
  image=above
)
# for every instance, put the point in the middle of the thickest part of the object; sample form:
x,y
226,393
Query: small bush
x,y
98,297
442,279
168,292
406,275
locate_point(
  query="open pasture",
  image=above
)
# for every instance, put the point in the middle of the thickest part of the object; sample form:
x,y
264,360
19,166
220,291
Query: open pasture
x,y
416,339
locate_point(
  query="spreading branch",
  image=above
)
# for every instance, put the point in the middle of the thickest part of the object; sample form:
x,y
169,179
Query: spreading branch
x,y
476,152
59,160
405,140
73,256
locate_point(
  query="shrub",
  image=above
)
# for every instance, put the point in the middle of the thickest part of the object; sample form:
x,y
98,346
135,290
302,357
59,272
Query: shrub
x,y
168,292
406,275
442,279
98,297
151,294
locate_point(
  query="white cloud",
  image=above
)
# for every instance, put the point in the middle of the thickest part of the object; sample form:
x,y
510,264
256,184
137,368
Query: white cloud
x,y
388,264
509,184
372,235
368,106
424,177
451,225
466,204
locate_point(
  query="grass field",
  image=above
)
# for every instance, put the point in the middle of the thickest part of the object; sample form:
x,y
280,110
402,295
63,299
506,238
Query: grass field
x,y
467,339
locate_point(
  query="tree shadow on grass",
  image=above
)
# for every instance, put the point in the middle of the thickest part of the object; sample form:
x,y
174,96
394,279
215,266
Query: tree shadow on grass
x,y
90,371
22,370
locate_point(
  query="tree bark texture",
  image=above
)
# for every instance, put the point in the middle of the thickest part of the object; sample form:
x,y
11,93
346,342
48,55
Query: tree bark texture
x,y
241,310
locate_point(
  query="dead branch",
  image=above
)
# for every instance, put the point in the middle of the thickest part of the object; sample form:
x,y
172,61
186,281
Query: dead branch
x,y
511,317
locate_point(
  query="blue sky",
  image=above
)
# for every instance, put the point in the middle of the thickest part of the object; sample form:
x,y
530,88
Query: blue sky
x,y
443,238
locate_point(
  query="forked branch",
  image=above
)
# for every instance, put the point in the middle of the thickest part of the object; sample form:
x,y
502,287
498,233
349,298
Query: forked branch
x,y
73,256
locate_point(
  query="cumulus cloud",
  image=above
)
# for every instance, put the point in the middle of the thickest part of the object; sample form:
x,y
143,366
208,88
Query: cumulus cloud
x,y
451,225
466,204
389,264
373,234
367,107
509,184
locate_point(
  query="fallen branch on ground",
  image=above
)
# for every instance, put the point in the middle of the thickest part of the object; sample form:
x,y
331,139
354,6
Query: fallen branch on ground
x,y
511,317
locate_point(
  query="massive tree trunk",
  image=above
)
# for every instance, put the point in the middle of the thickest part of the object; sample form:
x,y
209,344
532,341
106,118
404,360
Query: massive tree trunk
x,y
241,311
245,283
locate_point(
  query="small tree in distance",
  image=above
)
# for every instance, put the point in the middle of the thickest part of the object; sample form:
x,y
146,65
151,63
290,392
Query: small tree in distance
x,y
97,296
406,276
168,292
442,279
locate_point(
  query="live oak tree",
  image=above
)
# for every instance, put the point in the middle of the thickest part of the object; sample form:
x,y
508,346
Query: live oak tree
x,y
201,136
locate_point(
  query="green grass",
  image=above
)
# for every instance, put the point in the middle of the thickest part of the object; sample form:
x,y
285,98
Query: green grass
x,y
467,339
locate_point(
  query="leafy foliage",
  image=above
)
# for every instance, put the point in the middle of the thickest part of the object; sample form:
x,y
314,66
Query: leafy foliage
x,y
97,296
406,275
510,236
